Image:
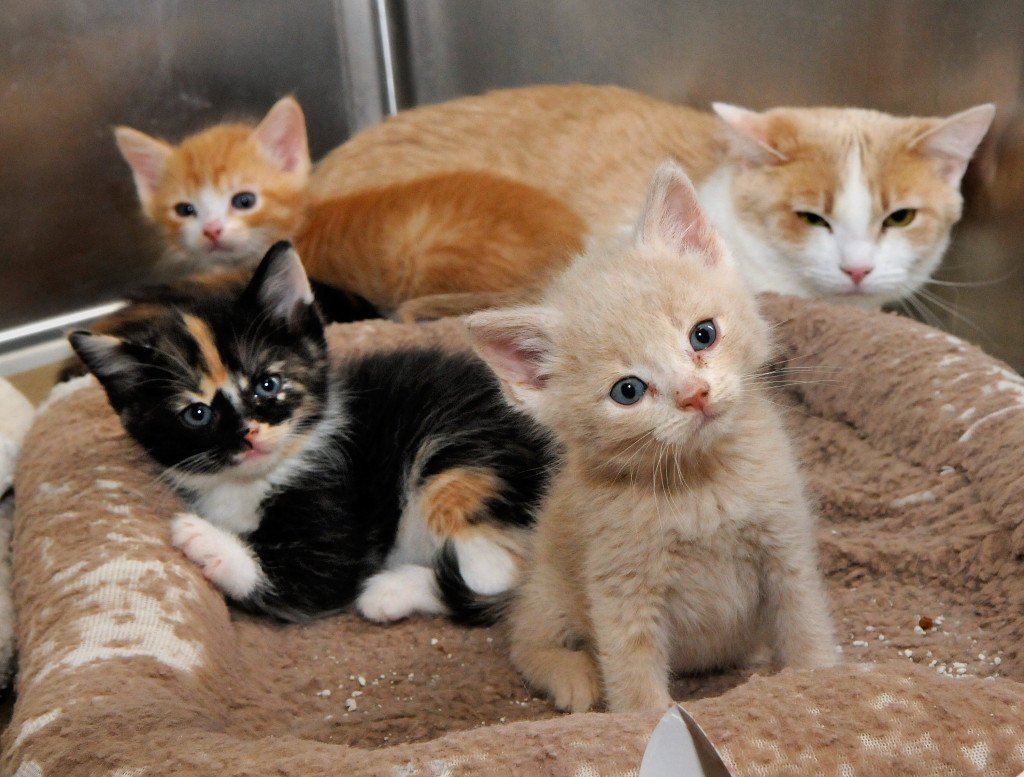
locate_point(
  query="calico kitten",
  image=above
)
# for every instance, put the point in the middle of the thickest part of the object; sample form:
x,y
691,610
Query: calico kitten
x,y
675,536
223,196
845,204
314,487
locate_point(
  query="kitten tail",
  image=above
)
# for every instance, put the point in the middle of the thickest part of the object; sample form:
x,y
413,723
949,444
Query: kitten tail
x,y
467,607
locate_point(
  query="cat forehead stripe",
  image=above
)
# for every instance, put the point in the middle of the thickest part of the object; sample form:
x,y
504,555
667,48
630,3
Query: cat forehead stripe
x,y
853,205
215,369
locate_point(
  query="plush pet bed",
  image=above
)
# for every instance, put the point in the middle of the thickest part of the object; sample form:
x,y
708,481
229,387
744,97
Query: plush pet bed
x,y
131,664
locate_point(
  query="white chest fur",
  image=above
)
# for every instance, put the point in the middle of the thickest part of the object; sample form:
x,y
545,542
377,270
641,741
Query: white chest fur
x,y
233,506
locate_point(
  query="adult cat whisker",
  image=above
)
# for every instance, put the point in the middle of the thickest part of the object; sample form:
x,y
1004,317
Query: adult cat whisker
x,y
914,308
928,281
925,296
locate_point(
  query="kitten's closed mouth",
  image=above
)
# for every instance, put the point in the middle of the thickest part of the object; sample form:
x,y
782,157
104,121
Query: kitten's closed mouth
x,y
253,453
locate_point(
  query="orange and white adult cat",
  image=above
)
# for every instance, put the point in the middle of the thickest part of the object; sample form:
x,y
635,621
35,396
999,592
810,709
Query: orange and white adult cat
x,y
840,203
483,196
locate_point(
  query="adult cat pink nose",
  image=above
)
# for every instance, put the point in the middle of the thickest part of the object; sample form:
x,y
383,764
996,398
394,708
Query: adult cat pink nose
x,y
213,230
857,273
693,397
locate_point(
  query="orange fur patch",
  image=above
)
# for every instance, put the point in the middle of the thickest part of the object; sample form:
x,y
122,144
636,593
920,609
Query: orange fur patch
x,y
455,232
216,374
452,499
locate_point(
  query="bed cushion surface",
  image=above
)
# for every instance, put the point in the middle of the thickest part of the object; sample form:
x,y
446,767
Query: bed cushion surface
x,y
132,664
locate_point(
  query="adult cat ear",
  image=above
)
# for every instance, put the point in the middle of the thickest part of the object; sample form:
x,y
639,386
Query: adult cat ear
x,y
114,362
282,136
281,288
147,158
749,134
954,139
516,344
672,216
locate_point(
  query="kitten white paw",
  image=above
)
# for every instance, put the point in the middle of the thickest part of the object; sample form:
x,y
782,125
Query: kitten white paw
x,y
398,593
226,561
486,567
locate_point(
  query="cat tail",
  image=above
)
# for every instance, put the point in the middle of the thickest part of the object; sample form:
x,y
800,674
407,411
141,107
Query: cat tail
x,y
466,606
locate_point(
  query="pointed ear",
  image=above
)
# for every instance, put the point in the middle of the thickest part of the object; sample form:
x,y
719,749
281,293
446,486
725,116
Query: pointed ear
x,y
282,136
749,138
517,345
281,288
673,217
954,139
111,360
147,158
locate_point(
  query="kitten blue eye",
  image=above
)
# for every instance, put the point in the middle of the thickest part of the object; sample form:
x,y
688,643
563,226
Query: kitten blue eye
x,y
628,391
703,335
243,200
197,415
268,387
185,209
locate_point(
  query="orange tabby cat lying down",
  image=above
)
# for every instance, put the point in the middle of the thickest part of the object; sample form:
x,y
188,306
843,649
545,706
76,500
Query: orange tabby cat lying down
x,y
224,195
488,195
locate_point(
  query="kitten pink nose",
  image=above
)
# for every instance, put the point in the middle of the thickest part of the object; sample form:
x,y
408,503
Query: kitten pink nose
x,y
213,230
252,433
858,273
693,397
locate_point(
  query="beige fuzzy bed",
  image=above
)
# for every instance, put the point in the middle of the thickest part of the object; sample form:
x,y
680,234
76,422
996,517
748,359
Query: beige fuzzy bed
x,y
132,665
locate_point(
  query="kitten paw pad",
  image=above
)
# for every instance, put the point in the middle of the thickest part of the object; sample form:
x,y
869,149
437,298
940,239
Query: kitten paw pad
x,y
224,559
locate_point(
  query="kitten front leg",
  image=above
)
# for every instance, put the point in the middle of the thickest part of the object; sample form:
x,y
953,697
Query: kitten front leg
x,y
540,629
226,561
631,643
798,615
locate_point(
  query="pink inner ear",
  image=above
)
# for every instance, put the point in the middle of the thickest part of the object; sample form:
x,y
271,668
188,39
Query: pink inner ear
x,y
684,224
282,135
147,158
515,362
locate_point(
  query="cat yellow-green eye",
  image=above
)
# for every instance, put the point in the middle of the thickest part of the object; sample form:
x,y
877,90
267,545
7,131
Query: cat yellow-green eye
x,y
900,218
812,218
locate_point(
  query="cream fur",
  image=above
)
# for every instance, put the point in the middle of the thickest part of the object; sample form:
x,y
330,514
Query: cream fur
x,y
668,542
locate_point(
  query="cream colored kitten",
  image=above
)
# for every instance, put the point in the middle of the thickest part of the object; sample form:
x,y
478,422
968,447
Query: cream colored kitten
x,y
676,536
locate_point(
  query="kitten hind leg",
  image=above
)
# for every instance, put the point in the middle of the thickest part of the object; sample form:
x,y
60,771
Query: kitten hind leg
x,y
398,593
454,507
226,561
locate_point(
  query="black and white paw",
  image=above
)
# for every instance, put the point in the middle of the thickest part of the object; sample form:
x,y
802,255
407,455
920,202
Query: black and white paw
x,y
226,561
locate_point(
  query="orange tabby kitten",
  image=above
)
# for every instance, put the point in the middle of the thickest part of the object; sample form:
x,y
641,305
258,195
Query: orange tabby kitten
x,y
223,196
675,536
845,204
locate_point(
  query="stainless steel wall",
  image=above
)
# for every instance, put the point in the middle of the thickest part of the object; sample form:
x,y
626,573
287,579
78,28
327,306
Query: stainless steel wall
x,y
69,69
